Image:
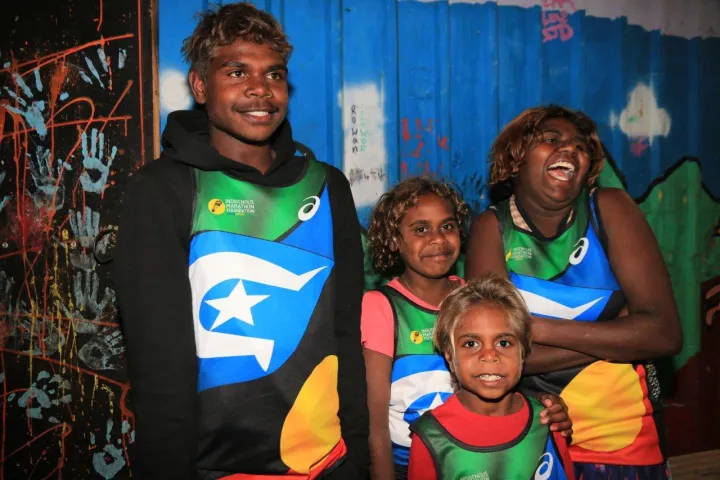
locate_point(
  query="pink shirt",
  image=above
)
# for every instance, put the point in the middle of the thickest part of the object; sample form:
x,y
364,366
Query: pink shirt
x,y
376,321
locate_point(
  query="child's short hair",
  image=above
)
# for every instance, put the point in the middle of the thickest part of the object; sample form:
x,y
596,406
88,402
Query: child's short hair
x,y
226,25
392,206
491,290
510,147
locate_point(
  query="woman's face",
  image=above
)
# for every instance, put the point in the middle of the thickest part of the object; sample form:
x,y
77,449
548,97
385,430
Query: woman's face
x,y
555,167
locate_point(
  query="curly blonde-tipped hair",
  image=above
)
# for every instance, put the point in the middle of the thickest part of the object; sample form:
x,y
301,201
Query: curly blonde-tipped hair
x,y
392,206
490,290
514,142
217,28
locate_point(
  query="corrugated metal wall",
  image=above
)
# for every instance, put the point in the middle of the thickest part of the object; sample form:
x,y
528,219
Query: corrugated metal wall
x,y
385,89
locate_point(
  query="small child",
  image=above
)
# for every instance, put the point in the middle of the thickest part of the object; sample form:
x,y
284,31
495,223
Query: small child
x,y
416,231
486,430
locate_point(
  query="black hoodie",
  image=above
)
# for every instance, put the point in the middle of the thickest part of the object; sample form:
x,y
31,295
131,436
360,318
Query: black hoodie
x,y
154,295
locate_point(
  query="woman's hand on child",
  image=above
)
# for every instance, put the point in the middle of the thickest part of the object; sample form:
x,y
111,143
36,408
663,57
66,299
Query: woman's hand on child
x,y
556,414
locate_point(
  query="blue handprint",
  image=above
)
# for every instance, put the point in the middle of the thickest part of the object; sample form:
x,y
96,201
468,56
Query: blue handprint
x,y
47,182
84,229
29,108
110,460
91,66
87,301
93,160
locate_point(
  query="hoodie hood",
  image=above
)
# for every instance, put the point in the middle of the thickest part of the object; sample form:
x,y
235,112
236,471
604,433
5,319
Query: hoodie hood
x,y
186,139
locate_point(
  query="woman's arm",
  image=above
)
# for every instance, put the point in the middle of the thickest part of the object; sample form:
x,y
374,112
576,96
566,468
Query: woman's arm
x,y
652,328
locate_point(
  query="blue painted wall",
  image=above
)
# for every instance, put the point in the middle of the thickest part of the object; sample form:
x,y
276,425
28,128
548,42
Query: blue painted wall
x,y
386,89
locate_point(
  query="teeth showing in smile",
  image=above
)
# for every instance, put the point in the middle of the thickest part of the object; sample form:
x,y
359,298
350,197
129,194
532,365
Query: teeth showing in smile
x,y
258,114
562,171
490,378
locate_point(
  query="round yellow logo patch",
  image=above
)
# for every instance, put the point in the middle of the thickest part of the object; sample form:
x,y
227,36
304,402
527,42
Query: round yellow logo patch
x,y
416,337
216,206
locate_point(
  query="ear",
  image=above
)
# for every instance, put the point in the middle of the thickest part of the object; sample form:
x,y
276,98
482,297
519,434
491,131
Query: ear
x,y
449,360
198,87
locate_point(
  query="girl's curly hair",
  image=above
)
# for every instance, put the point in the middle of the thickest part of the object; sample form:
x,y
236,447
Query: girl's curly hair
x,y
228,23
390,209
514,142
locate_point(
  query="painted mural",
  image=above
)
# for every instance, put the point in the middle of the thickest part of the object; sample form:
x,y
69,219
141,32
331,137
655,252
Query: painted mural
x,y
74,120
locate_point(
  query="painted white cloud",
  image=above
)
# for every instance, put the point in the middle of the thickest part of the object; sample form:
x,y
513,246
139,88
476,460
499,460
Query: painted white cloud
x,y
174,91
642,117
364,153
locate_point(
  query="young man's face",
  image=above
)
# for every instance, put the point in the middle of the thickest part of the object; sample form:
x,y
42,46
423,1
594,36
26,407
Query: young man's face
x,y
487,360
245,93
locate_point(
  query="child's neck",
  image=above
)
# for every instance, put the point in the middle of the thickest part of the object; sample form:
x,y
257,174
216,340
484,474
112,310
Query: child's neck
x,y
507,405
430,290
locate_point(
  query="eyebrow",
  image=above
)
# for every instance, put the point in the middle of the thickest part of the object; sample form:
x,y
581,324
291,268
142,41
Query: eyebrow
x,y
497,337
558,132
426,222
243,66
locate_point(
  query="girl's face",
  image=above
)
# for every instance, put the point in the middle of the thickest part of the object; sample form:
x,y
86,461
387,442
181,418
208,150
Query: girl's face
x,y
555,167
429,242
487,359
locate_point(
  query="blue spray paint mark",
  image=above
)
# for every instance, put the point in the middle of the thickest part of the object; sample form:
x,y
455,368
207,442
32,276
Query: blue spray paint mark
x,y
53,420
6,65
84,76
32,113
64,96
100,464
21,83
108,470
103,58
11,397
122,55
94,71
125,427
3,202
43,375
38,83
2,375
132,436
92,438
92,160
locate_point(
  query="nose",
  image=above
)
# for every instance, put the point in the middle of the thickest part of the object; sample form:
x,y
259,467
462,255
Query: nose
x,y
489,355
569,145
439,237
257,86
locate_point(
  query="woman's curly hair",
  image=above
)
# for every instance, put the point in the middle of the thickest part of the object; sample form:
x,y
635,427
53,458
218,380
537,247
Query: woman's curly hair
x,y
217,28
516,139
390,209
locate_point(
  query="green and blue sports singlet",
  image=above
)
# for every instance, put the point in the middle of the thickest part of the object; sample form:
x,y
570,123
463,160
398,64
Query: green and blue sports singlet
x,y
569,277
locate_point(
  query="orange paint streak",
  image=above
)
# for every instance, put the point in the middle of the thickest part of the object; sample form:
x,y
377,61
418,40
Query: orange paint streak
x,y
30,442
53,57
140,82
120,118
100,20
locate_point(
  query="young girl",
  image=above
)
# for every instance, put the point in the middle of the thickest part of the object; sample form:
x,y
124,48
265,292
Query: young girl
x,y
582,255
415,231
486,429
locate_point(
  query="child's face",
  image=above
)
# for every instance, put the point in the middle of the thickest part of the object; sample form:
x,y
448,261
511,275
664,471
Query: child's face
x,y
429,242
488,356
245,93
556,165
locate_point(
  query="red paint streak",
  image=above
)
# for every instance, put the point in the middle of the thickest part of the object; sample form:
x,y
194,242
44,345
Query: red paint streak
x,y
29,442
638,147
66,365
405,130
54,57
443,143
141,97
416,152
100,20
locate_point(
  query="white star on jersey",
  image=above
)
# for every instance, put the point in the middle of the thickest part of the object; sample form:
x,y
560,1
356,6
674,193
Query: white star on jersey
x,y
236,305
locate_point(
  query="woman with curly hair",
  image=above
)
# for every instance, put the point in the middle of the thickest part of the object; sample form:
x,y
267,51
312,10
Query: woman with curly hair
x,y
415,231
586,256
